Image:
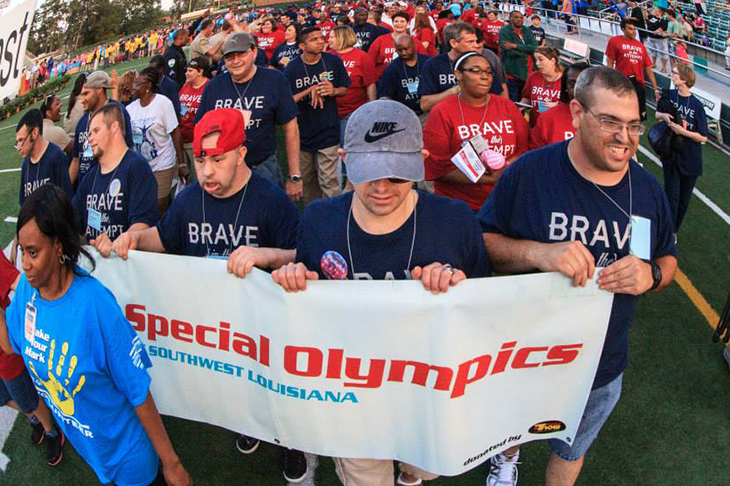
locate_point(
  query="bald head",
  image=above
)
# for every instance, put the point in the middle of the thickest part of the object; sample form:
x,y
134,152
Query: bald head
x,y
405,47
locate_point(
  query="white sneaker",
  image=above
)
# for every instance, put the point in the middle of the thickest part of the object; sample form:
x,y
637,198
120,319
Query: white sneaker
x,y
503,471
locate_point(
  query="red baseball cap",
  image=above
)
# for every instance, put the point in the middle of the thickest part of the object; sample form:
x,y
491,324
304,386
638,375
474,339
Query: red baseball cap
x,y
227,121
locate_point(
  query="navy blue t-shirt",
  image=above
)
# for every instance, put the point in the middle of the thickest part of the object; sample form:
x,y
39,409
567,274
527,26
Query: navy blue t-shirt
x,y
290,51
266,95
541,197
267,219
318,128
170,89
52,168
125,196
689,160
396,79
437,75
367,34
82,148
446,232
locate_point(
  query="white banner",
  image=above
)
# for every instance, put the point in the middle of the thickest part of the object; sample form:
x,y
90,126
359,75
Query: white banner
x,y
368,369
16,20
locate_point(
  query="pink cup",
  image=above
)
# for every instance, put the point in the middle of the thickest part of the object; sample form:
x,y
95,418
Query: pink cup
x,y
493,160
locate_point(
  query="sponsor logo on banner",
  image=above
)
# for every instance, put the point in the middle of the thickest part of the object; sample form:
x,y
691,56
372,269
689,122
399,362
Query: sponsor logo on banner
x,y
547,427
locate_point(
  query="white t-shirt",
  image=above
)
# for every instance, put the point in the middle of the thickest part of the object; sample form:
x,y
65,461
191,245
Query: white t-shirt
x,y
151,129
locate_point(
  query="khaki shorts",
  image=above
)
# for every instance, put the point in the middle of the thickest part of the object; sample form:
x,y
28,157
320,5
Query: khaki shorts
x,y
374,472
164,182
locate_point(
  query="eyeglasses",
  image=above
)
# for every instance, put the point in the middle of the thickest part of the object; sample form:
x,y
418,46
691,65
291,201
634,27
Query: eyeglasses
x,y
613,126
478,71
19,143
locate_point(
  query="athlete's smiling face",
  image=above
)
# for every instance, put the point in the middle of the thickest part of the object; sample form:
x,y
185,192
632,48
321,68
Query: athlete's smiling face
x,y
606,150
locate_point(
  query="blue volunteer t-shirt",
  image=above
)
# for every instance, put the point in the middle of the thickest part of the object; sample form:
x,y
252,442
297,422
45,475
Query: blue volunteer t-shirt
x,y
318,128
526,205
90,367
267,219
266,96
124,196
367,34
290,51
52,168
437,75
401,82
689,160
446,232
170,89
82,148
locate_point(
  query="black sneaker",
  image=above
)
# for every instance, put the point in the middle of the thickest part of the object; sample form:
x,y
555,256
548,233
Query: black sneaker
x,y
38,433
296,468
54,449
246,444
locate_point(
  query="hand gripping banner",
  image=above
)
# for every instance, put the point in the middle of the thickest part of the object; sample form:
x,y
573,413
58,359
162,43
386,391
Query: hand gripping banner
x,y
366,369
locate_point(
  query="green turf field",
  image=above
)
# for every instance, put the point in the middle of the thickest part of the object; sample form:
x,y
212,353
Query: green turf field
x,y
672,426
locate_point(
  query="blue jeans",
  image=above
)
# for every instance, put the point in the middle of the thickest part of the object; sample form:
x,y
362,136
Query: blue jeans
x,y
678,188
270,169
343,126
515,89
601,403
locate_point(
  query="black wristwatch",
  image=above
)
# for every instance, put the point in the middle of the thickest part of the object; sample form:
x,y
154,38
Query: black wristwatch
x,y
656,274
295,178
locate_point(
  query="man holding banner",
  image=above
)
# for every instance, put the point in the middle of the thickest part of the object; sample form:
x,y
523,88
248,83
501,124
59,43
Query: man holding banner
x,y
372,232
231,213
596,220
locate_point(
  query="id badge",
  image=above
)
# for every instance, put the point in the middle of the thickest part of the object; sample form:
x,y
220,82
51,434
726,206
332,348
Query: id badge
x,y
183,110
88,152
640,243
137,138
542,107
30,315
413,87
94,219
479,144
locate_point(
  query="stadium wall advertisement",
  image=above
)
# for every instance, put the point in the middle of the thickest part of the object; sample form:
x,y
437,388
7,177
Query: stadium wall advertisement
x,y
368,369
16,22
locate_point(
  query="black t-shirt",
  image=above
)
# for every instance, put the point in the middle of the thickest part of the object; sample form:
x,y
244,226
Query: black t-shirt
x,y
653,24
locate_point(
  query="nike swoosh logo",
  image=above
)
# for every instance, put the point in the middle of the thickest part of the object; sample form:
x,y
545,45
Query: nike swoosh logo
x,y
370,138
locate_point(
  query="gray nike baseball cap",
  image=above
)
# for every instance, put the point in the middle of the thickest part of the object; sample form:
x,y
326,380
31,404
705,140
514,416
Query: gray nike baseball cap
x,y
383,139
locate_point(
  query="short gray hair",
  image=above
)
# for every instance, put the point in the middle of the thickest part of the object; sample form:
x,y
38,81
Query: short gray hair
x,y
456,30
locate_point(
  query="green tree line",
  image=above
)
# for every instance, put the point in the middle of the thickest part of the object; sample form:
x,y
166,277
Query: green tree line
x,y
76,23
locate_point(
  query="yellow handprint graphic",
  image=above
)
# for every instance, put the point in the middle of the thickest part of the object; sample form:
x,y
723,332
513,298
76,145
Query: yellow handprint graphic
x,y
58,387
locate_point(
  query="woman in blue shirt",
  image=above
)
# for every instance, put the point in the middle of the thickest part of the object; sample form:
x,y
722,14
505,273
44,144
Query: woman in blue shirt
x,y
682,171
83,355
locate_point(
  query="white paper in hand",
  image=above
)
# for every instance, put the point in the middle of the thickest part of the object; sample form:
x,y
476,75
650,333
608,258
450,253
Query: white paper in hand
x,y
468,162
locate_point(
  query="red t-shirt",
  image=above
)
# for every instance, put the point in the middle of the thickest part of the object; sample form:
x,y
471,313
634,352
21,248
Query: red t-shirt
x,y
11,366
469,15
382,51
361,70
189,102
555,125
630,55
491,32
440,26
326,28
427,35
269,42
504,129
386,26
538,89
